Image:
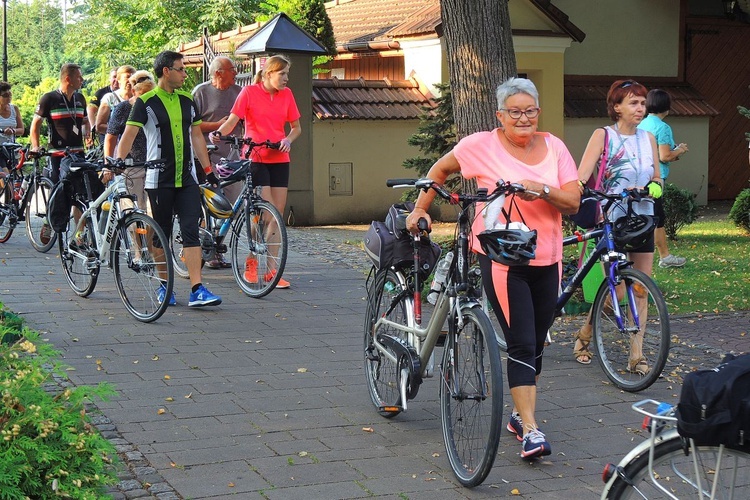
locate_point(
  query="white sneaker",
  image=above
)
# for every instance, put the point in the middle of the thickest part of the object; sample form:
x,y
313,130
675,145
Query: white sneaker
x,y
672,261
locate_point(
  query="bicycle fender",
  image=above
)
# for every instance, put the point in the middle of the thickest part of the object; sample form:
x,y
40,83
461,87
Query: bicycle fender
x,y
408,356
639,450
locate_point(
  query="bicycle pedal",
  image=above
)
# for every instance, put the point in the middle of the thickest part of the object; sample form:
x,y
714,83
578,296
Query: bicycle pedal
x,y
391,409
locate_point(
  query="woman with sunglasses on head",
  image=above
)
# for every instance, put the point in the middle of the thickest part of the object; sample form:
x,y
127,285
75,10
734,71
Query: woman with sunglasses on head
x,y
138,84
631,163
11,125
522,296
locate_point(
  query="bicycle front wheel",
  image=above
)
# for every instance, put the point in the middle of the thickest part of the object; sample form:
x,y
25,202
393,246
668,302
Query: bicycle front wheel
x,y
38,230
259,248
384,296
142,264
674,470
7,211
79,259
471,396
633,351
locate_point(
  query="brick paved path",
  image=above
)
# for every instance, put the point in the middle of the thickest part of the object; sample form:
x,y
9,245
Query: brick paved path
x,y
265,398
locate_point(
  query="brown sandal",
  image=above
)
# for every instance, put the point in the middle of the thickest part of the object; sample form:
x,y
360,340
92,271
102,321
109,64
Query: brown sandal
x,y
639,366
581,351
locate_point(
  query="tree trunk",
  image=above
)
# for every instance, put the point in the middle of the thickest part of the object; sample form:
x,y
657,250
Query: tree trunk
x,y
480,56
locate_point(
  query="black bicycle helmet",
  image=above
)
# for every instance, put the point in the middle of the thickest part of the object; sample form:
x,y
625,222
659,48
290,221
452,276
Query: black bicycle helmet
x,y
217,204
232,170
511,247
633,231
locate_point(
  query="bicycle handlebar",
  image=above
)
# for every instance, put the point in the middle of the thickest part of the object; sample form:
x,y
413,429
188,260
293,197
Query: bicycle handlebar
x,y
248,141
501,188
115,163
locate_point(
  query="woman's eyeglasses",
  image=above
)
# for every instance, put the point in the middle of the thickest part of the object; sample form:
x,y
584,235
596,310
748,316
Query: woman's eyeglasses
x,y
516,113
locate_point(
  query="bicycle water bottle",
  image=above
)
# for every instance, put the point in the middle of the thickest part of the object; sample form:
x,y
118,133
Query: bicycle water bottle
x,y
104,216
24,185
441,273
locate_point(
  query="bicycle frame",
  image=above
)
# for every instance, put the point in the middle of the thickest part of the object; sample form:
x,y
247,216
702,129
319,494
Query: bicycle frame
x,y
613,261
118,190
424,339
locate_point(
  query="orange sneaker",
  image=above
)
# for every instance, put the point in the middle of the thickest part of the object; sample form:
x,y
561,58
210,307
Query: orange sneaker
x,y
251,270
270,275
283,283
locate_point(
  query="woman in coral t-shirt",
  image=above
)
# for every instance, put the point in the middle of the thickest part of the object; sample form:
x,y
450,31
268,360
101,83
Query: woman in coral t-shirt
x,y
523,297
267,106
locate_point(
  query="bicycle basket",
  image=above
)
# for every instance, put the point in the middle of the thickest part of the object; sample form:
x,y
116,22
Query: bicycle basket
x,y
633,231
232,170
218,205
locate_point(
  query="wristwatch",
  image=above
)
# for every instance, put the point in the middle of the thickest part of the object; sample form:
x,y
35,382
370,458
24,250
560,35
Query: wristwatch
x,y
545,191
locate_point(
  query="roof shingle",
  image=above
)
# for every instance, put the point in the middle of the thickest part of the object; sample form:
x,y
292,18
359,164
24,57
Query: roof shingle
x,y
589,99
369,99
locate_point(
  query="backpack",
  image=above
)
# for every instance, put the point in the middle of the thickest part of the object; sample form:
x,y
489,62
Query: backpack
x,y
714,405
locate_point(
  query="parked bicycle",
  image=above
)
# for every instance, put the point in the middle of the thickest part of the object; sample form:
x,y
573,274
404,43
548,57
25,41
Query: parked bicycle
x,y
629,317
398,348
256,230
24,193
119,235
668,465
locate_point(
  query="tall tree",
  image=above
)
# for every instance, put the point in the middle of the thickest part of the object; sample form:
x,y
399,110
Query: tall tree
x,y
35,47
479,43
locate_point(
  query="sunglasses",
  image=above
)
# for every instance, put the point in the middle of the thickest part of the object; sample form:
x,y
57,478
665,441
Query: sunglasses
x,y
143,79
6,94
627,83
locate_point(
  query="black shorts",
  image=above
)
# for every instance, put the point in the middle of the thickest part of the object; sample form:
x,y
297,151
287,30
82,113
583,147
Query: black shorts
x,y
186,203
659,211
270,174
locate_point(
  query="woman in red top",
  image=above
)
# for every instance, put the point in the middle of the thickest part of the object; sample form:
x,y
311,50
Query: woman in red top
x,y
267,106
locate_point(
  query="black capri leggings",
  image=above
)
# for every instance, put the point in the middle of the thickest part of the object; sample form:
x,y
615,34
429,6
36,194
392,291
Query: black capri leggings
x,y
523,298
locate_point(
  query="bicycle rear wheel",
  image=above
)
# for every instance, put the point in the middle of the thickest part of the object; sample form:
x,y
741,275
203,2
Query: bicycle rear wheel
x,y
8,216
259,247
471,396
38,230
675,471
79,258
384,296
142,263
624,353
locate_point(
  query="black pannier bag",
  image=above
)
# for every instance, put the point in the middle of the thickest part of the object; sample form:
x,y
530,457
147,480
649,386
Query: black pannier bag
x,y
389,244
63,194
714,405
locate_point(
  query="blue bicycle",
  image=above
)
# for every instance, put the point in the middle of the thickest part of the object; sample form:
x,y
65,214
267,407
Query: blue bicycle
x,y
629,317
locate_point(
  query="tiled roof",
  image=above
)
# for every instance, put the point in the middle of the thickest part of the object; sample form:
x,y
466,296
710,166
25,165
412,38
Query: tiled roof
x,y
368,99
589,99
367,20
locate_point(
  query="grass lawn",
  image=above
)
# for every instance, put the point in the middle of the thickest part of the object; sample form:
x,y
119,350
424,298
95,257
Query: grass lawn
x,y
716,277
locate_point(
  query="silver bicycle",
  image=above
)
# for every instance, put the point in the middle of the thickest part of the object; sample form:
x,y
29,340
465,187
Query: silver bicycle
x,y
669,466
125,239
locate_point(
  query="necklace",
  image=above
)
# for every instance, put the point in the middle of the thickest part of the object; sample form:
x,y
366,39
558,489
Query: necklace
x,y
527,149
629,153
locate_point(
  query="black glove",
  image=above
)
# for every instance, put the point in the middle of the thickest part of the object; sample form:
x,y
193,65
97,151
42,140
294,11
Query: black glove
x,y
211,179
